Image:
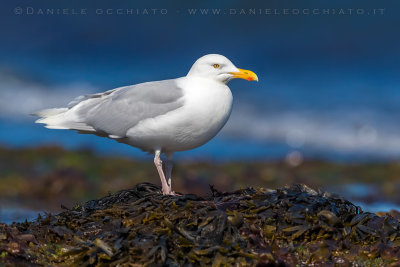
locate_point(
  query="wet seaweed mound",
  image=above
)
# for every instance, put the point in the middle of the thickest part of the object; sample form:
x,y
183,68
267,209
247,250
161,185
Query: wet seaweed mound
x,y
289,226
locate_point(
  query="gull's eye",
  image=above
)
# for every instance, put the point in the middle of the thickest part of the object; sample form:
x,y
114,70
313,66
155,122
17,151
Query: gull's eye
x,y
216,66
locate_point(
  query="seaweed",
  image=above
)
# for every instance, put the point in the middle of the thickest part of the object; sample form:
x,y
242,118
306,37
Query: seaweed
x,y
290,226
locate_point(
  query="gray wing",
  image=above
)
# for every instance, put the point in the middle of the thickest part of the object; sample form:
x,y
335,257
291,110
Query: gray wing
x,y
116,111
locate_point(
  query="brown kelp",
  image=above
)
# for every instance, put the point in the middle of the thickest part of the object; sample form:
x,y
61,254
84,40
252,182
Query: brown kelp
x,y
255,226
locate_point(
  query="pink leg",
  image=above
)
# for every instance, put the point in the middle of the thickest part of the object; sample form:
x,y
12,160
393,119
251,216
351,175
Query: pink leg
x,y
168,169
157,161
168,172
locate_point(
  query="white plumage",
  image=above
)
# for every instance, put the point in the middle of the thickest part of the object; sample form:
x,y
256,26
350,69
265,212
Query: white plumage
x,y
157,117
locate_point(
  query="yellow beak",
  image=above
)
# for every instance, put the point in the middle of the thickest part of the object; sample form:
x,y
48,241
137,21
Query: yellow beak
x,y
245,74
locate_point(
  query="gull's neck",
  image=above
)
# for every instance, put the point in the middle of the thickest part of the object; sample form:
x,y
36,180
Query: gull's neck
x,y
210,79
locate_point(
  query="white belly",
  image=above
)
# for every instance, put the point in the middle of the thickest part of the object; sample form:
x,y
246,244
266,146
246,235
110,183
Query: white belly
x,y
206,109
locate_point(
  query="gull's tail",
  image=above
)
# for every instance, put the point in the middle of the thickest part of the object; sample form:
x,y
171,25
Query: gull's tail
x,y
59,118
45,113
72,117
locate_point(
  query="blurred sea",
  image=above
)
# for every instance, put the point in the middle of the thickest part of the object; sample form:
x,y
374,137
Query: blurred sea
x,y
323,118
329,84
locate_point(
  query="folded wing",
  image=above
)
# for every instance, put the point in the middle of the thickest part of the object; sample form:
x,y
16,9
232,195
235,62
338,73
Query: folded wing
x,y
114,112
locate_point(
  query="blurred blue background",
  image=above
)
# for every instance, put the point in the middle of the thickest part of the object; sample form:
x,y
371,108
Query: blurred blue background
x,y
329,83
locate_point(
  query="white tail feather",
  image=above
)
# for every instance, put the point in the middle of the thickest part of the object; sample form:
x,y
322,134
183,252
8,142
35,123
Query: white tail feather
x,y
50,112
56,118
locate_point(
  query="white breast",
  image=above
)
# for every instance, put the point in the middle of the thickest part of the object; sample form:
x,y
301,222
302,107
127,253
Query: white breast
x,y
207,106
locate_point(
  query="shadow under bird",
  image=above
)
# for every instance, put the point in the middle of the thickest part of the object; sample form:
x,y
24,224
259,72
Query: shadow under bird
x,y
157,117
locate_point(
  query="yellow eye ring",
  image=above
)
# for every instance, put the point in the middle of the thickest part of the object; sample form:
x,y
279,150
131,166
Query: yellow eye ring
x,y
216,66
